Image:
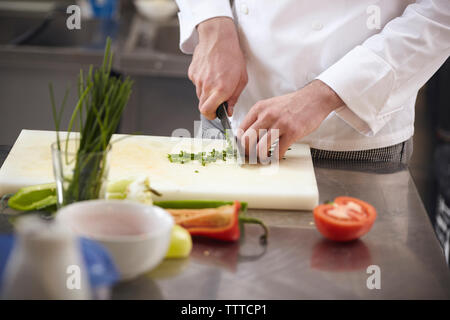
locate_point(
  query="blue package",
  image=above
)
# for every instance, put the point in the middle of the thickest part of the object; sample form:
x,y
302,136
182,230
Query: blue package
x,y
101,269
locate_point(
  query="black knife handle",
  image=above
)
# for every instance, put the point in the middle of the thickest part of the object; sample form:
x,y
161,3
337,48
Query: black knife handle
x,y
219,110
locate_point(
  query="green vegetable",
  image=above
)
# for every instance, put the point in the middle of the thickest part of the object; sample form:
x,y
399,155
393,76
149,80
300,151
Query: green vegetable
x,y
119,187
204,158
196,204
43,196
180,243
252,220
102,99
137,190
38,197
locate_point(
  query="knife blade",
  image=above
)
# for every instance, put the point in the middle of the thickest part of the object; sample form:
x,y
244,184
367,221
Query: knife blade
x,y
221,113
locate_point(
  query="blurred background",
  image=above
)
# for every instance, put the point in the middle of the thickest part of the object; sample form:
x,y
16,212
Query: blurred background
x,y
36,48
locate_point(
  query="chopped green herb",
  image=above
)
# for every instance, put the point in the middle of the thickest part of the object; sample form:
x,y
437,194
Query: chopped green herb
x,y
203,157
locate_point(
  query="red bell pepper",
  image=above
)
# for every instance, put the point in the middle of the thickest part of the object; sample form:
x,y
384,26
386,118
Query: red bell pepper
x,y
220,223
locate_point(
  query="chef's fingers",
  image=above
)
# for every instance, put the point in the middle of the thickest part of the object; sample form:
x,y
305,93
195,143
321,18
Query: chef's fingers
x,y
192,75
263,147
198,90
249,141
252,135
283,145
230,110
201,100
237,92
211,103
249,119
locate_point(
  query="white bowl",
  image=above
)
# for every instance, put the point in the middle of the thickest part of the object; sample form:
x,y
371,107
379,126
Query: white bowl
x,y
156,9
136,235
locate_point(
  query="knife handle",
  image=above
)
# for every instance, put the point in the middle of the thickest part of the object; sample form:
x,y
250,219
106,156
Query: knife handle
x,y
219,110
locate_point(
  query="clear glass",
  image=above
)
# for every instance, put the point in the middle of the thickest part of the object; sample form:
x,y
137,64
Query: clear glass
x,y
79,176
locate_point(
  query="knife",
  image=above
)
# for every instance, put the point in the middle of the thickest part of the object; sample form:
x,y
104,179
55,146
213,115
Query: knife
x,y
221,113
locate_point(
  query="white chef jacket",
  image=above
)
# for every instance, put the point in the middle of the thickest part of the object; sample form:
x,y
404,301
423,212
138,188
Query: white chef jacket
x,y
376,72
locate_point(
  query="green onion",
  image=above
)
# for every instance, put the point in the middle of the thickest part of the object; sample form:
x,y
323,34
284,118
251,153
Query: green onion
x,y
102,100
183,156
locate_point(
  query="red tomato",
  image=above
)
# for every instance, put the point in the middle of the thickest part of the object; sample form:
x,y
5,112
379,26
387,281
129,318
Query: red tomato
x,y
345,219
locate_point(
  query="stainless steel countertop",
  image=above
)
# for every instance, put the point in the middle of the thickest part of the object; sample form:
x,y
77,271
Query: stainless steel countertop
x,y
299,263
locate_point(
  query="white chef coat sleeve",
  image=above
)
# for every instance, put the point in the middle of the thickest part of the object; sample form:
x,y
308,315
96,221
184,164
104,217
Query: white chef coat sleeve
x,y
376,78
193,12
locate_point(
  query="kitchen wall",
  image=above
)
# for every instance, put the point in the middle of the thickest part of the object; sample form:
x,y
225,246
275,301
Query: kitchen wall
x,y
158,104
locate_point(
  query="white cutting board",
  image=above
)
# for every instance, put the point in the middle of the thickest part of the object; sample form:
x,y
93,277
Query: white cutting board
x,y
291,185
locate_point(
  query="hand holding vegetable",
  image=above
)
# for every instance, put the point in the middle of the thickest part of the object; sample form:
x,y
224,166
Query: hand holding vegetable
x,y
295,115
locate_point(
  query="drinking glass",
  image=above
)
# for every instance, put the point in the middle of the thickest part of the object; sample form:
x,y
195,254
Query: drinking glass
x,y
79,175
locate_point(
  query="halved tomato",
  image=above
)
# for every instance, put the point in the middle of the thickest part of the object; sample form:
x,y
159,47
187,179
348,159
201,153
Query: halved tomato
x,y
345,219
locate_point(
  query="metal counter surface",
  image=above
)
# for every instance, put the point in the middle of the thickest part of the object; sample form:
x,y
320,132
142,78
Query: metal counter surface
x,y
298,263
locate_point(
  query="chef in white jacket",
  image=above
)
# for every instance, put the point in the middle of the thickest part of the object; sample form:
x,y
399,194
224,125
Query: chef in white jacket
x,y
340,75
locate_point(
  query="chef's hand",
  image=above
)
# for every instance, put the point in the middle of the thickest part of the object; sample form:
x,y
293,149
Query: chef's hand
x,y
295,115
218,66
